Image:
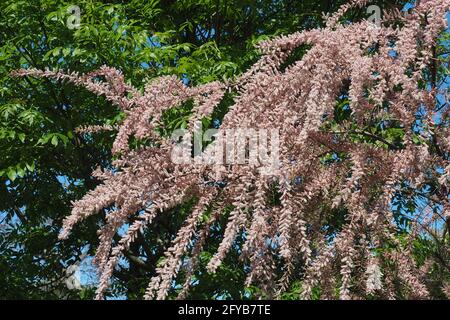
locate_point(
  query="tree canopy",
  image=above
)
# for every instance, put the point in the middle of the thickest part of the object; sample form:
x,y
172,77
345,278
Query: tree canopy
x,y
46,163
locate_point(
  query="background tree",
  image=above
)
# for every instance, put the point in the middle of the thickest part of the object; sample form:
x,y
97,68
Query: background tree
x,y
45,164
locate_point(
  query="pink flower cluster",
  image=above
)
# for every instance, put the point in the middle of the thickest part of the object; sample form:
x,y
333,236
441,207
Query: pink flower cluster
x,y
382,68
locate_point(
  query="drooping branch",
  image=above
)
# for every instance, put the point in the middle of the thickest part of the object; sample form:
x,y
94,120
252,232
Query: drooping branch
x,y
297,225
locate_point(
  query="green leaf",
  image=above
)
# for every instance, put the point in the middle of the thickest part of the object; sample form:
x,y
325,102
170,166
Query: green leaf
x,y
11,173
21,137
20,171
30,167
66,52
54,140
